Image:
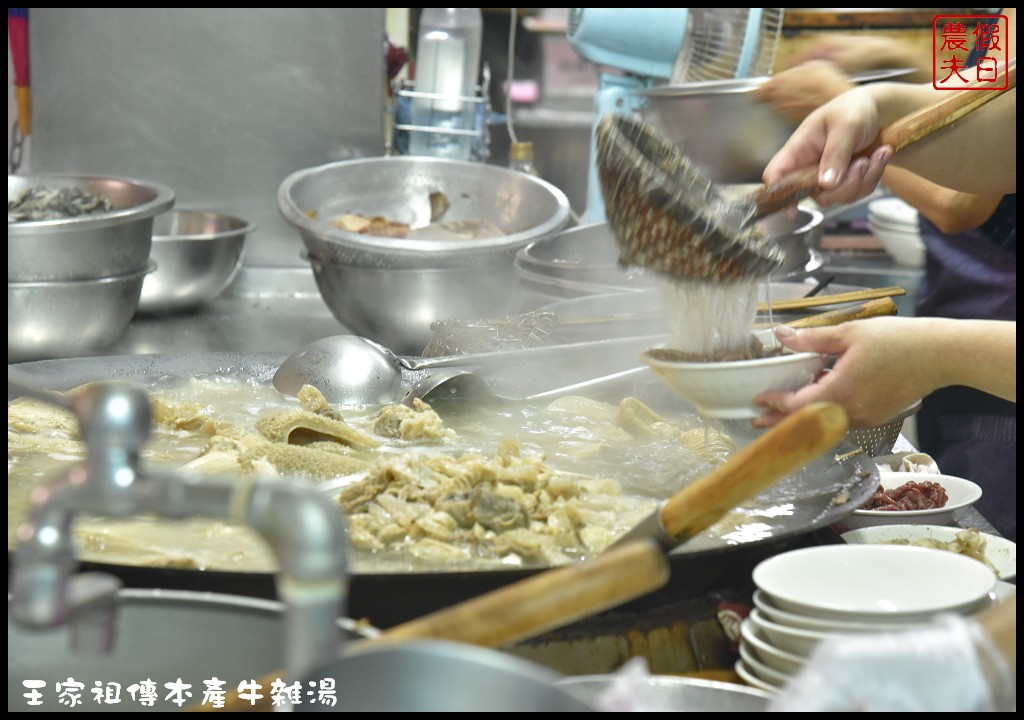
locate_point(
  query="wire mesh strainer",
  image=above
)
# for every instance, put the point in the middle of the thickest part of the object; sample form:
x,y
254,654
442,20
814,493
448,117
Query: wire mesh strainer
x,y
880,439
517,332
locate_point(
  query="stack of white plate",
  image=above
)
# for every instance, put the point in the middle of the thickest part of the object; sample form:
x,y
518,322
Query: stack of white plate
x,y
805,596
895,224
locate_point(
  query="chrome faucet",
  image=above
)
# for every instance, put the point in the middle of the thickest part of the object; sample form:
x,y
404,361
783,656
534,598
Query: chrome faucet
x,y
305,530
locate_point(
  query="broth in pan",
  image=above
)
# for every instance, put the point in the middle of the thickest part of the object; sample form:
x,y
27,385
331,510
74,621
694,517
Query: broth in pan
x,y
459,486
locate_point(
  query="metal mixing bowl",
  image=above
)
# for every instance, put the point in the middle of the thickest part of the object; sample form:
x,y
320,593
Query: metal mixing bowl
x,y
100,245
197,253
69,318
404,284
719,125
728,134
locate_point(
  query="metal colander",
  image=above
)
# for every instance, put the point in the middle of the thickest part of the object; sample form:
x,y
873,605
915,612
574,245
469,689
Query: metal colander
x,y
881,439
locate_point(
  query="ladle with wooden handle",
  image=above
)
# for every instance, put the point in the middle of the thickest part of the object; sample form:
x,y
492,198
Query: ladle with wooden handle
x,y
518,611
801,437
669,217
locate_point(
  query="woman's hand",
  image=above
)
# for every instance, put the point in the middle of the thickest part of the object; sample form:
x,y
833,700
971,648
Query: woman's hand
x,y
797,92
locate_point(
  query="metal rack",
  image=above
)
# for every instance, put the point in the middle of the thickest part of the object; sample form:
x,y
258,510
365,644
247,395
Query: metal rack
x,y
403,94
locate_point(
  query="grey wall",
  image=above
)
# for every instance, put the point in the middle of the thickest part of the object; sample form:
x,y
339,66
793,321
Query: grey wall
x,y
219,104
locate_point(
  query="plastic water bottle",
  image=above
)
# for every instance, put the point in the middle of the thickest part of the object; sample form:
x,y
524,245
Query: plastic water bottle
x,y
448,64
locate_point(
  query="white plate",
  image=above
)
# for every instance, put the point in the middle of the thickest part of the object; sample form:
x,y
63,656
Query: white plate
x,y
997,550
961,494
868,582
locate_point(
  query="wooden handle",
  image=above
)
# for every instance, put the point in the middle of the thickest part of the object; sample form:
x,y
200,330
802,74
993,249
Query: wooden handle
x,y
544,601
822,300
521,610
955,104
872,308
798,439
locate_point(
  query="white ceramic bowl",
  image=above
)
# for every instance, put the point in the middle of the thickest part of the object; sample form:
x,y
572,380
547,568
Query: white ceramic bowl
x,y
773,613
777,658
867,582
894,210
748,676
796,643
994,550
962,494
903,243
761,669
727,389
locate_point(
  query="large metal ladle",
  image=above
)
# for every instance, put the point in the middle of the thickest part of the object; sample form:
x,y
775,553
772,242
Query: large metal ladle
x,y
353,371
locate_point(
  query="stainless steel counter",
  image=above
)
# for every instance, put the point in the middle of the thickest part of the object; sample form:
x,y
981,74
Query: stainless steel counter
x,y
264,310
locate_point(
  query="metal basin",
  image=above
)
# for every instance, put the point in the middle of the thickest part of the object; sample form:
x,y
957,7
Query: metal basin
x,y
160,635
666,693
441,676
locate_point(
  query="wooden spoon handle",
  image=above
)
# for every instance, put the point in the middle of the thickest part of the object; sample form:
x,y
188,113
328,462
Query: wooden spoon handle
x,y
797,440
955,104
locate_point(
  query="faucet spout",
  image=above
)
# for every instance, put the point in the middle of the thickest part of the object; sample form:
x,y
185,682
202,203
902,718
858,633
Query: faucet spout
x,y
304,529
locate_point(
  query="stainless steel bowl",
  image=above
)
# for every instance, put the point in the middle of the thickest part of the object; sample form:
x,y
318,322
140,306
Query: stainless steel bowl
x,y
69,318
398,188
719,125
396,306
722,128
197,253
584,260
100,245
391,289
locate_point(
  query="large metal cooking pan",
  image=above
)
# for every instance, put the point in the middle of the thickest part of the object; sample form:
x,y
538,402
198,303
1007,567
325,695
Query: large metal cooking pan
x,y
813,499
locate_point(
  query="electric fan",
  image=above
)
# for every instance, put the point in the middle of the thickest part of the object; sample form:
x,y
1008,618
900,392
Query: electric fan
x,y
651,46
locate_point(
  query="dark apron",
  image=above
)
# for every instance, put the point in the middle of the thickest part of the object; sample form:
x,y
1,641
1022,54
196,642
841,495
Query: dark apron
x,y
969,433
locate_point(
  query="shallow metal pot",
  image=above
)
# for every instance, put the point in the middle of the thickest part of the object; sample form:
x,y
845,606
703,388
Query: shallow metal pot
x,y
160,635
396,306
198,253
666,693
442,676
69,318
86,247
